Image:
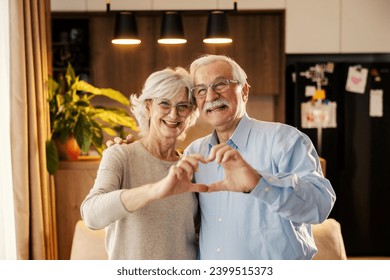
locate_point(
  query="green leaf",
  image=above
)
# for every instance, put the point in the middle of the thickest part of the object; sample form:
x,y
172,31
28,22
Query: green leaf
x,y
82,103
113,118
109,131
107,92
53,87
70,75
51,157
97,139
83,134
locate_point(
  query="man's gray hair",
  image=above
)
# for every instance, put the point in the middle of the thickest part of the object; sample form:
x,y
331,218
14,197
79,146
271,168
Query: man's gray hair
x,y
237,72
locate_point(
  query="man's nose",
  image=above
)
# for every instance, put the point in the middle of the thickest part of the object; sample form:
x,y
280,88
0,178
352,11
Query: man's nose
x,y
211,94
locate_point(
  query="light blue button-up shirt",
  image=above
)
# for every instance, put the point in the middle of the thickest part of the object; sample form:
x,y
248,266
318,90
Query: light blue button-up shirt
x,y
273,221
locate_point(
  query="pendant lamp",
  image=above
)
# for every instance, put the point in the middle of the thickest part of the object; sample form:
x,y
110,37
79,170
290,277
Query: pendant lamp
x,y
172,29
125,32
217,31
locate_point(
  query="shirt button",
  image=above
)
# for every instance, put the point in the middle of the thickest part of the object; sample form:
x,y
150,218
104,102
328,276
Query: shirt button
x,y
270,180
266,189
218,250
219,219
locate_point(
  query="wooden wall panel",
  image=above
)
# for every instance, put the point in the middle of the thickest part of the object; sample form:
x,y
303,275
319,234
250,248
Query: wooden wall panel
x,y
257,47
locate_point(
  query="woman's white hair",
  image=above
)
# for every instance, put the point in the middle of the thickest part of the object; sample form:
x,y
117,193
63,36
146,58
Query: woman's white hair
x,y
166,83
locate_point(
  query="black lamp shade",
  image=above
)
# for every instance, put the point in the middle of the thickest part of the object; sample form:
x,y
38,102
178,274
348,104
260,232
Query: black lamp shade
x,y
125,31
217,31
172,29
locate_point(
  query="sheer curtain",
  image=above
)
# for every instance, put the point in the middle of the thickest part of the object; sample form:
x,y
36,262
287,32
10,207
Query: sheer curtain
x,y
33,187
7,220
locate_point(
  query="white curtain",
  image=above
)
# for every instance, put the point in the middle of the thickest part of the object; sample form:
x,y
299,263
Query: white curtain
x,y
7,215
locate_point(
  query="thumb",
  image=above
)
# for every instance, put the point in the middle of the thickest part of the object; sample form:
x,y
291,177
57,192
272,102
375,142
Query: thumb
x,y
198,188
218,186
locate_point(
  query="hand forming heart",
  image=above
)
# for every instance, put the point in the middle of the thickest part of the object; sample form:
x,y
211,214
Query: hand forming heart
x,y
239,176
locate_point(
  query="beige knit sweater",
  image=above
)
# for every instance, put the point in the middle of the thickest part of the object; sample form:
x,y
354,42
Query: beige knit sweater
x,y
163,229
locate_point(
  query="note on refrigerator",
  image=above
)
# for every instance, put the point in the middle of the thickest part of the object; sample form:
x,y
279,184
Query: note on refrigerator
x,y
376,103
357,79
318,114
310,91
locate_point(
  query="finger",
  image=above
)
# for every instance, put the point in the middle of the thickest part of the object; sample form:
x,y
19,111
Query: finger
x,y
118,140
109,143
197,157
177,172
198,188
187,167
227,155
220,152
215,149
218,186
193,160
130,138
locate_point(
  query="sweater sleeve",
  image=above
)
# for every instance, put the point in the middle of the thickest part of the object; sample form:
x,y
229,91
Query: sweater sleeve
x,y
103,206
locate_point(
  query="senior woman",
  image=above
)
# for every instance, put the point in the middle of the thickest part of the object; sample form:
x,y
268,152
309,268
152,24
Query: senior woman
x,y
138,194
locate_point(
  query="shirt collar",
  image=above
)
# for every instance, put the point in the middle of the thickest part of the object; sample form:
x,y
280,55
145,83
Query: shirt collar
x,y
239,137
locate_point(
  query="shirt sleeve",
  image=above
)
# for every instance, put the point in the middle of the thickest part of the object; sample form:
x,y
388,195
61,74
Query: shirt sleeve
x,y
296,188
103,206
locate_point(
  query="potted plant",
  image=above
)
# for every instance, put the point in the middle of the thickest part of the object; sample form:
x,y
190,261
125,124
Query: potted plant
x,y
76,124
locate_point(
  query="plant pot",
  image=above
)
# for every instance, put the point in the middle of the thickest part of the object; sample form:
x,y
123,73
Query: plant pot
x,y
69,150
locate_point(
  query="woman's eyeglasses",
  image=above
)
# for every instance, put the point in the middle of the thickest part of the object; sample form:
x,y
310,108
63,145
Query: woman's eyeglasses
x,y
222,86
183,109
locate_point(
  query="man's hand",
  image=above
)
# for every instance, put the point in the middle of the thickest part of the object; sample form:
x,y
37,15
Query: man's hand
x,y
239,176
117,140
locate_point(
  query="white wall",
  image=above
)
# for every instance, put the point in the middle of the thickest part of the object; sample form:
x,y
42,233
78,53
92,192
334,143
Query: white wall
x,y
337,26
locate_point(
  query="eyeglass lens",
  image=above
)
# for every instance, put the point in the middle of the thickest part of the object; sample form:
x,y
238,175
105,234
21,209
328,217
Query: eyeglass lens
x,y
218,87
183,109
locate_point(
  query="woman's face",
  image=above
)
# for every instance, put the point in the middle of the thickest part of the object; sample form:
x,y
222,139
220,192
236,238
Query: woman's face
x,y
169,117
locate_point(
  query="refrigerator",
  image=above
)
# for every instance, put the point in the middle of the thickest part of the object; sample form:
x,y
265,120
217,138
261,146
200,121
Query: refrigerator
x,y
356,145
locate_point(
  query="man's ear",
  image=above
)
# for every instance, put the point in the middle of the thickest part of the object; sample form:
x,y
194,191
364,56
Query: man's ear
x,y
245,92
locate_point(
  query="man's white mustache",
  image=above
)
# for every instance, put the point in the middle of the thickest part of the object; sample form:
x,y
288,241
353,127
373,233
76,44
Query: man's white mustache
x,y
214,104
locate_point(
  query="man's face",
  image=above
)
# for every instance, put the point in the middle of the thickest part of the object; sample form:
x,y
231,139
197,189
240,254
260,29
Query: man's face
x,y
221,110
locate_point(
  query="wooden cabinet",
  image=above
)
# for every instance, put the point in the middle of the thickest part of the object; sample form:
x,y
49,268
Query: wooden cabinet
x,y
73,181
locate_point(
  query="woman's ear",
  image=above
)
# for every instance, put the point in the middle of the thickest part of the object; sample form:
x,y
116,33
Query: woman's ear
x,y
147,108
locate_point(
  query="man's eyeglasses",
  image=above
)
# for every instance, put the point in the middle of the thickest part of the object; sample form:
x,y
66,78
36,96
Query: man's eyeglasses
x,y
222,86
183,109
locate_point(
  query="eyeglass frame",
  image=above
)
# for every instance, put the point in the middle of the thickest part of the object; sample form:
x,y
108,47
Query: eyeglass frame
x,y
178,112
213,85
